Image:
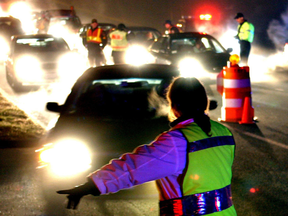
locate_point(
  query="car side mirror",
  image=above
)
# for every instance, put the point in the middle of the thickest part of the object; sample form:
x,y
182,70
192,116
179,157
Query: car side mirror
x,y
213,104
53,107
229,50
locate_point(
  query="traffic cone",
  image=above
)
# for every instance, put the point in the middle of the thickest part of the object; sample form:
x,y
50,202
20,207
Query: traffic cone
x,y
248,112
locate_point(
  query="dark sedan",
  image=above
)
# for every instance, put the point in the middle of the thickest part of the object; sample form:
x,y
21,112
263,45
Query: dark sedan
x,y
41,59
110,110
191,51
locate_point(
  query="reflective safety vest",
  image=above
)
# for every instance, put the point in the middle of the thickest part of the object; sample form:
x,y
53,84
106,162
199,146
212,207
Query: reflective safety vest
x,y
94,36
118,40
246,31
206,183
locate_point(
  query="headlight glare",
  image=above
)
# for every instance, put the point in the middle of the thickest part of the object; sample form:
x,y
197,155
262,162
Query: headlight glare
x,y
71,66
28,68
67,157
190,67
138,55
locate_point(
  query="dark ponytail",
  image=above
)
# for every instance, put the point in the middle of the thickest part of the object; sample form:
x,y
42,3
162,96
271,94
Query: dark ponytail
x,y
203,121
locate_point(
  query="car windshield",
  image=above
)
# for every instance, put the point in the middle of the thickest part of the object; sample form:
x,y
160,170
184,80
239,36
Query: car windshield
x,y
65,21
142,35
40,44
195,45
119,97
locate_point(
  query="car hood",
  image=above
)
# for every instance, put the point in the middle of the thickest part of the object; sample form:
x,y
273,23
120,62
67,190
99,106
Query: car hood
x,y
211,61
44,56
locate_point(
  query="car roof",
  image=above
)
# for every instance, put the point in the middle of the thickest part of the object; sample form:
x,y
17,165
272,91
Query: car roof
x,y
106,24
60,12
188,34
35,36
139,28
122,71
8,18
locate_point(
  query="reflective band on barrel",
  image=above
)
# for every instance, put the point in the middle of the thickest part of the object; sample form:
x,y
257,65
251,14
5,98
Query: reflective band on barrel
x,y
236,83
198,204
232,103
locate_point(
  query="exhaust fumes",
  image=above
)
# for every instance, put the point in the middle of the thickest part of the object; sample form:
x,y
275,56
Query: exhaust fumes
x,y
158,103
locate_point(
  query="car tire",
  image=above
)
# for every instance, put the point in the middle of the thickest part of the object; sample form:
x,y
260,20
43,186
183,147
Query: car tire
x,y
8,78
15,85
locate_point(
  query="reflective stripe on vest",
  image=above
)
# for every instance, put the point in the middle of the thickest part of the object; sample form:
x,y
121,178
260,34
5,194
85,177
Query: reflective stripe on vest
x,y
95,36
198,204
206,183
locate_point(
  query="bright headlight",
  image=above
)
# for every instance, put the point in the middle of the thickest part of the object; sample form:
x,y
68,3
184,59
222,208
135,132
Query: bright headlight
x,y
67,157
58,30
190,67
138,55
71,66
28,68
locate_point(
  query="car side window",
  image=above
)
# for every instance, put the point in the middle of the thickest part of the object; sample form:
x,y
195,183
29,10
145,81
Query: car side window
x,y
160,45
217,46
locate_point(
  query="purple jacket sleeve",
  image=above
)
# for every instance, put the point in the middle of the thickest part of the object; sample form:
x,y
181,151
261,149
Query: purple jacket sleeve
x,y
164,157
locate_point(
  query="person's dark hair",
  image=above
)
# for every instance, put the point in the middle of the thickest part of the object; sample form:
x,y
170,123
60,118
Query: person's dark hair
x,y
168,22
188,99
121,27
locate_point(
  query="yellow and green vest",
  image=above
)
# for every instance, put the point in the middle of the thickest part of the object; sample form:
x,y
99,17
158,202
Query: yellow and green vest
x,y
206,182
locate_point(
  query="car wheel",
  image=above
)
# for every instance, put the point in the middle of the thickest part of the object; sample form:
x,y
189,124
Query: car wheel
x,y
15,85
8,78
13,82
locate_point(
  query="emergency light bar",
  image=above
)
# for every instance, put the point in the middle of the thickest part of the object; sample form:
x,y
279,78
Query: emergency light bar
x,y
205,17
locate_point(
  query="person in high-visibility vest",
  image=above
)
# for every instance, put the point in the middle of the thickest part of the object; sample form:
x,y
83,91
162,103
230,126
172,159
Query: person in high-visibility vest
x,y
96,39
191,163
119,43
245,36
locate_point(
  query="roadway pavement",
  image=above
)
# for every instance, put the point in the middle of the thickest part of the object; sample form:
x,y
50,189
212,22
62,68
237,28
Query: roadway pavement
x,y
259,183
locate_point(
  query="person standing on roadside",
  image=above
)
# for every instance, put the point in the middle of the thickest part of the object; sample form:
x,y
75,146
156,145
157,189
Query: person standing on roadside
x,y
245,36
96,40
171,29
119,43
191,163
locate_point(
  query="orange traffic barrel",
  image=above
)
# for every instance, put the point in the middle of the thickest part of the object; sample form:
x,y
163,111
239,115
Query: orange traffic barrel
x,y
235,88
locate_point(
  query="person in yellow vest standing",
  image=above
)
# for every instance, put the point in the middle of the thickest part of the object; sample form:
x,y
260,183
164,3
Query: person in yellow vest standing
x,y
96,39
245,36
191,162
119,44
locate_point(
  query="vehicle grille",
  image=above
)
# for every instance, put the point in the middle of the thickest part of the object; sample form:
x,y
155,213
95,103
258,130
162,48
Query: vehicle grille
x,y
49,66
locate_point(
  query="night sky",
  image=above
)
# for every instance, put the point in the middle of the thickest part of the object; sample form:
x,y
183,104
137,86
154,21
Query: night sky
x,y
153,13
